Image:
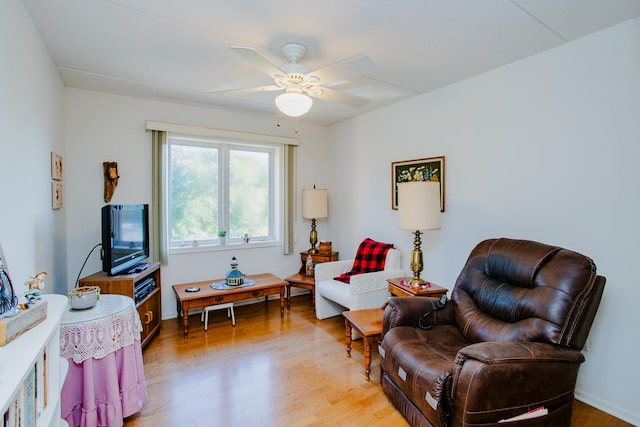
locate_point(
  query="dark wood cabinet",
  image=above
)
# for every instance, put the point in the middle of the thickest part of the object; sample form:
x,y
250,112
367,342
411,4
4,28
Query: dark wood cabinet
x,y
149,305
319,257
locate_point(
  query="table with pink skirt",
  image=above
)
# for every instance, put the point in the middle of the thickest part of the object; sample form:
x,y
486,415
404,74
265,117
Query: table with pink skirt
x,y
105,382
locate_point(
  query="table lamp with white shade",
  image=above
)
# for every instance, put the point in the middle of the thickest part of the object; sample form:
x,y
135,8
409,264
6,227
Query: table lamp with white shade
x,y
418,209
314,206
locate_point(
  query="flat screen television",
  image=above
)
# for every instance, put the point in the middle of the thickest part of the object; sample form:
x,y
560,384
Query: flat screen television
x,y
125,238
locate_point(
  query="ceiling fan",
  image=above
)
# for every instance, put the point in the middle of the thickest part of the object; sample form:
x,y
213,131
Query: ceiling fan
x,y
299,83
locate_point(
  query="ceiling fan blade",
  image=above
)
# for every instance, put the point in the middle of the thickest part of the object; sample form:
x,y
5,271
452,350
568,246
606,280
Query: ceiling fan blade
x,y
344,70
258,60
333,95
246,90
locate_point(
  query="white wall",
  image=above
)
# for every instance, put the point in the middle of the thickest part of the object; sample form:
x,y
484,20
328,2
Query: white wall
x,y
544,149
541,149
103,127
31,125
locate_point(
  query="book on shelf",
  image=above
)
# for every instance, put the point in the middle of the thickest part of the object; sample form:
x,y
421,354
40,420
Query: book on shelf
x,y
534,413
30,399
45,369
41,383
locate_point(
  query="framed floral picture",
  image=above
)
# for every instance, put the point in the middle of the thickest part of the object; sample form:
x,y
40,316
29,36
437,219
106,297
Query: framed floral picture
x,y
428,169
56,166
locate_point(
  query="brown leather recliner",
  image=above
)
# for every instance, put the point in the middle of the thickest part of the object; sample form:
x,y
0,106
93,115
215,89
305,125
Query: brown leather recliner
x,y
507,342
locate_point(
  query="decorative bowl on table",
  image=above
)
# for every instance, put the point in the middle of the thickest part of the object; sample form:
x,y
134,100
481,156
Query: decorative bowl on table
x,y
84,297
325,248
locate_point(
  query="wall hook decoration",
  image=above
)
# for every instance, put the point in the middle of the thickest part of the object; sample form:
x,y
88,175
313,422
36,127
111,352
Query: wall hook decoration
x,y
110,170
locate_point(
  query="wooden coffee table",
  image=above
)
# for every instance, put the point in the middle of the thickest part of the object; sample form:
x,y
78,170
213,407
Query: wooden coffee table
x,y
368,323
266,284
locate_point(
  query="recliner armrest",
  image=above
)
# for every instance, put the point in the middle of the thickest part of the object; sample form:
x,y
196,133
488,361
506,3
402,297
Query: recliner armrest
x,y
514,377
406,311
517,352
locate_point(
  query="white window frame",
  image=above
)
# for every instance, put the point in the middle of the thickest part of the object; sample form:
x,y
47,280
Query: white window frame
x,y
159,135
275,189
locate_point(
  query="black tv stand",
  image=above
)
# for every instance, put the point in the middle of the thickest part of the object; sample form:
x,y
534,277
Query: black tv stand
x,y
136,268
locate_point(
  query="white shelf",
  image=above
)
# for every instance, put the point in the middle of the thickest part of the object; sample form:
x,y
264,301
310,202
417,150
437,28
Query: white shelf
x,y
18,358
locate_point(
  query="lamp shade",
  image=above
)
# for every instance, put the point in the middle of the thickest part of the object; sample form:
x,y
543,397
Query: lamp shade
x,y
293,104
419,205
314,204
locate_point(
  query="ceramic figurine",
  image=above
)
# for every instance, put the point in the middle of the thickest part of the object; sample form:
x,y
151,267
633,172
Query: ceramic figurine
x,y
35,285
234,277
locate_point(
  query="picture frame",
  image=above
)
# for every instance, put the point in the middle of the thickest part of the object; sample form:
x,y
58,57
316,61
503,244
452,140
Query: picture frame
x,y
427,169
56,166
57,195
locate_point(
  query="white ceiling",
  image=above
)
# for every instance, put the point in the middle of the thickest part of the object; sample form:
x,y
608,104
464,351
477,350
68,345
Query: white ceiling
x,y
177,50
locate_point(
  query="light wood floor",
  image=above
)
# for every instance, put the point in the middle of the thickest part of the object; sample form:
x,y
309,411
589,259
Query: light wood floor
x,y
268,371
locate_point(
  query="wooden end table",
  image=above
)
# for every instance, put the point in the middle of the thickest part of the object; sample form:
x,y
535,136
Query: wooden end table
x,y
368,323
399,289
301,280
319,257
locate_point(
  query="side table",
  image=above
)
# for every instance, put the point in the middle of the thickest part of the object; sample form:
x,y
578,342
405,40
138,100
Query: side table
x,y
301,280
105,382
319,257
399,289
368,323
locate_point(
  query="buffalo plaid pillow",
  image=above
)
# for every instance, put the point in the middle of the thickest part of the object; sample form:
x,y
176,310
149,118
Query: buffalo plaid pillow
x,y
369,257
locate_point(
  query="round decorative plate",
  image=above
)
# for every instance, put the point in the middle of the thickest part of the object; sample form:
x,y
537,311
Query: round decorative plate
x,y
223,285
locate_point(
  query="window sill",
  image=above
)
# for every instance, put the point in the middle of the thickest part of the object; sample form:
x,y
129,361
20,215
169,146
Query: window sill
x,y
221,248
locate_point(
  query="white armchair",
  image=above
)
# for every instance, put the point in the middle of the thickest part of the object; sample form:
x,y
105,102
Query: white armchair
x,y
367,290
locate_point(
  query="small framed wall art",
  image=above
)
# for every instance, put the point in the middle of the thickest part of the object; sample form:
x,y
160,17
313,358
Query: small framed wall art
x,y
57,194
428,169
56,166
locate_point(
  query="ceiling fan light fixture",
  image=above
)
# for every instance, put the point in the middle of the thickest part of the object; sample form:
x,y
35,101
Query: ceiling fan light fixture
x,y
294,104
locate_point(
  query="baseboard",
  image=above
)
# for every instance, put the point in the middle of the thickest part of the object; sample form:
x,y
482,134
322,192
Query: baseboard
x,y
608,408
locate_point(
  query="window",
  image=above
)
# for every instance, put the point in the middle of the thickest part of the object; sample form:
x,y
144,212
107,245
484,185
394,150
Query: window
x,y
219,191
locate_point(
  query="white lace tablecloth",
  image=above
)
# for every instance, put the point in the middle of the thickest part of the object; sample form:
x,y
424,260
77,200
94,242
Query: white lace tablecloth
x,y
96,332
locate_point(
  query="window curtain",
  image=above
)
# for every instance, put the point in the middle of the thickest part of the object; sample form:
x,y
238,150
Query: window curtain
x,y
159,132
289,199
159,241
